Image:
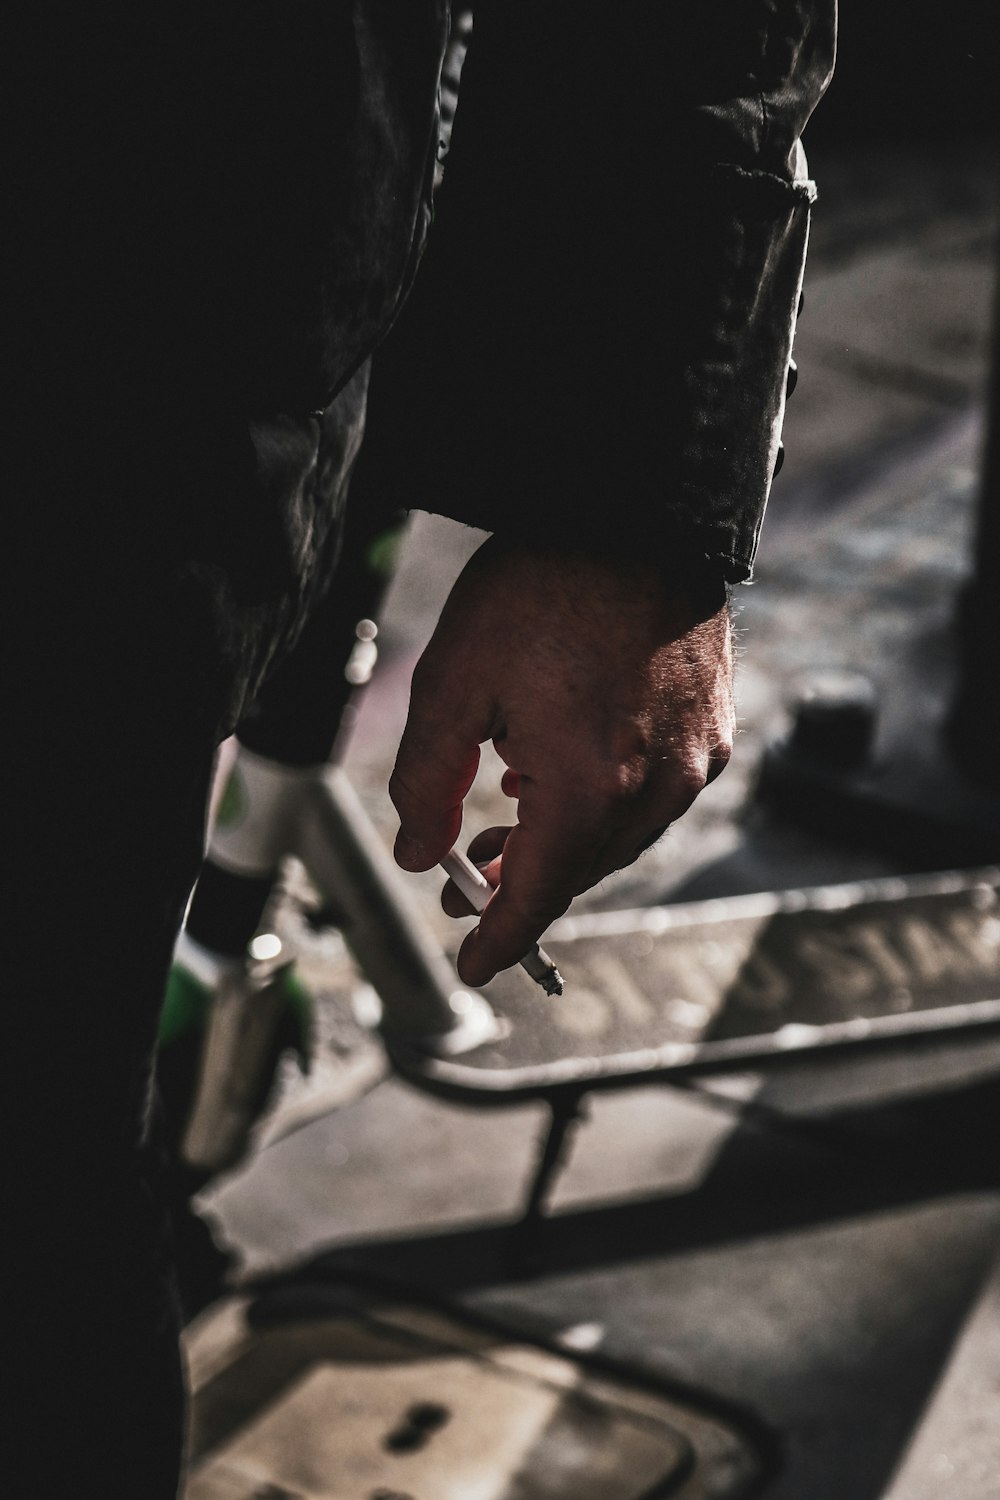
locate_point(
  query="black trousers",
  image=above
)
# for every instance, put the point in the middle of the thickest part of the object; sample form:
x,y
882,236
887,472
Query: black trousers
x,y
130,662
213,215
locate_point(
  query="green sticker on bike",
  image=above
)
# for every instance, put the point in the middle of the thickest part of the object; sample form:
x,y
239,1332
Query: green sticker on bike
x,y
233,802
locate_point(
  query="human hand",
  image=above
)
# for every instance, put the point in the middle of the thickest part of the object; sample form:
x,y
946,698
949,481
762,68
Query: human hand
x,y
608,694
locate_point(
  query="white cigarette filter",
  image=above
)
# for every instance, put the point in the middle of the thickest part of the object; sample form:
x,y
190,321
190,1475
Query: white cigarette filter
x,y
477,891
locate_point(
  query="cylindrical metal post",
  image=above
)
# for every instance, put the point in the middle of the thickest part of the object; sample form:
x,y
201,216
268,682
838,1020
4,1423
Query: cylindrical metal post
x,y
974,722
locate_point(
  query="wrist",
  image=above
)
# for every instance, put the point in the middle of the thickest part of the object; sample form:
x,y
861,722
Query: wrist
x,y
673,567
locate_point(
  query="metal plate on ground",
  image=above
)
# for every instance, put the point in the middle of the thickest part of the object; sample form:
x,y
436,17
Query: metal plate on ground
x,y
401,1404
742,981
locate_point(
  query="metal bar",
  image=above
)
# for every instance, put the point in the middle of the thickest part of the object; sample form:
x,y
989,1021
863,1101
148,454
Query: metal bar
x,y
688,1059
564,1113
660,920
423,1002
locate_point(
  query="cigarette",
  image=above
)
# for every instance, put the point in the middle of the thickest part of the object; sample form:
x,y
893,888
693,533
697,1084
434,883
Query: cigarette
x,y
477,889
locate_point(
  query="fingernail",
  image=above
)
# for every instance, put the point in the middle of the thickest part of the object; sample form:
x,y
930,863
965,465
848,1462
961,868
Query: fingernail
x,y
409,852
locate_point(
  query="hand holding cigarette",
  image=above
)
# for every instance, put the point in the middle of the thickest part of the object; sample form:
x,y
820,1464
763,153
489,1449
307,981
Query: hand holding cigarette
x,y
607,692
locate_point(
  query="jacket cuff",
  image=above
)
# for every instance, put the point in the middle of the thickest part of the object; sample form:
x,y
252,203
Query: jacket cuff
x,y
751,248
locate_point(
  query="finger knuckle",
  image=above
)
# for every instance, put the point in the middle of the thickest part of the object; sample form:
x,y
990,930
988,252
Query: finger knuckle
x,y
691,777
403,794
720,757
622,782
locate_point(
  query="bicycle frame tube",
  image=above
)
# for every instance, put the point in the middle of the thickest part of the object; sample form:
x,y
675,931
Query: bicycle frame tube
x,y
423,1002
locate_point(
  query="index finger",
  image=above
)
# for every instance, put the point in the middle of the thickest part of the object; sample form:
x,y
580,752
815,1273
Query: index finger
x,y
546,860
433,773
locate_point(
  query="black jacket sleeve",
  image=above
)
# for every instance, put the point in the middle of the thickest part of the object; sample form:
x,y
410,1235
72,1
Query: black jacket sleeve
x,y
596,347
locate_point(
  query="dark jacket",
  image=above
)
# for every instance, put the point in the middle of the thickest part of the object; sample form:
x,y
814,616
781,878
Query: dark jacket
x,y
597,343
217,213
